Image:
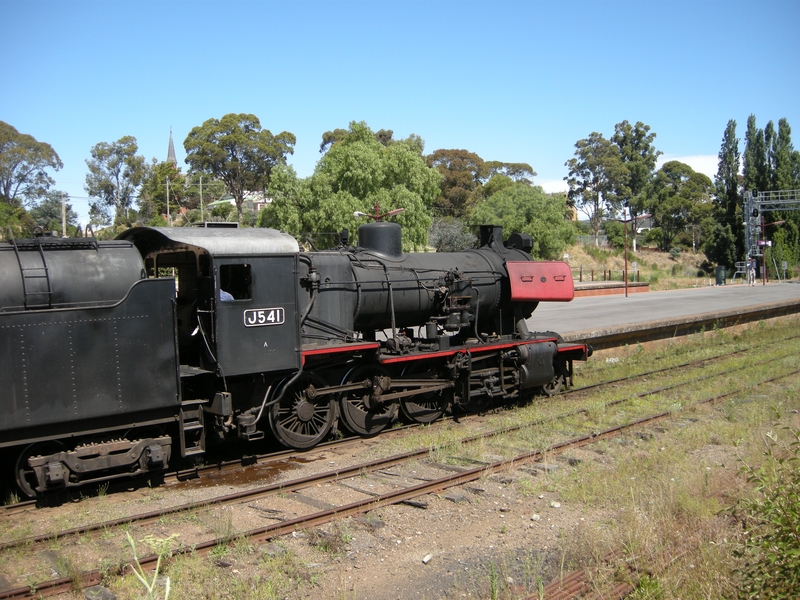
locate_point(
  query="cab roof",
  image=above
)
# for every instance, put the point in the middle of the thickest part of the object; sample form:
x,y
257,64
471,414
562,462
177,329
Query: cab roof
x,y
215,241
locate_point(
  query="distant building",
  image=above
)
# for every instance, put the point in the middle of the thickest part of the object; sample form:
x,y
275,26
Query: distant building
x,y
171,150
254,201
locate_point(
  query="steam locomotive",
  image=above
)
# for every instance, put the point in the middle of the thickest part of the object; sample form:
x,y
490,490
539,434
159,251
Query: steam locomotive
x,y
119,354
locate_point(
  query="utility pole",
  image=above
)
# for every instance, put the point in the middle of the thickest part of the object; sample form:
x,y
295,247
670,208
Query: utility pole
x,y
202,218
64,215
169,223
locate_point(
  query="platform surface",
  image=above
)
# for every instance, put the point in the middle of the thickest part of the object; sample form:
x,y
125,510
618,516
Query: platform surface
x,y
595,312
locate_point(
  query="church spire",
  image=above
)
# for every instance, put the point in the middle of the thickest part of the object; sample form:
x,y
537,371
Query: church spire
x,y
171,151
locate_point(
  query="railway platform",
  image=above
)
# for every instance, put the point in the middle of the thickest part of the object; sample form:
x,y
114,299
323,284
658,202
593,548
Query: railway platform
x,y
615,319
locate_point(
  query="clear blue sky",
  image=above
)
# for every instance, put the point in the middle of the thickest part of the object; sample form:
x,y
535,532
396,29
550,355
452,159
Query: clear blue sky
x,y
512,81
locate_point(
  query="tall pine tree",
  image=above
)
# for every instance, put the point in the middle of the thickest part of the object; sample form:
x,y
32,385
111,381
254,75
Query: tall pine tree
x,y
756,173
784,156
728,199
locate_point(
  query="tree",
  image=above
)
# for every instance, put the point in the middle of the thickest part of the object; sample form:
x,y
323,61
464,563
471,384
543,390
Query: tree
x,y
517,172
329,138
450,235
596,176
236,150
292,202
23,166
679,198
785,158
720,245
47,213
115,174
527,209
727,198
462,175
755,160
635,143
357,173
153,194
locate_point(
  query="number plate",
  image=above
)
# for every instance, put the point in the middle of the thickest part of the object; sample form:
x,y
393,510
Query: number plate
x,y
259,317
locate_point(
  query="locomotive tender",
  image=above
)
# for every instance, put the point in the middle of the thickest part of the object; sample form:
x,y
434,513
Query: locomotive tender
x,y
117,354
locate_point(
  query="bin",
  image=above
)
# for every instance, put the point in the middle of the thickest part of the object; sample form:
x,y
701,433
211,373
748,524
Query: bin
x,y
720,275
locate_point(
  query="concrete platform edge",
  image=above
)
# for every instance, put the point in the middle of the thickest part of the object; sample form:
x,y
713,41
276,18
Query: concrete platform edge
x,y
667,328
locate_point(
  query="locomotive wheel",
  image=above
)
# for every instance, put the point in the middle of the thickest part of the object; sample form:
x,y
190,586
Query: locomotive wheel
x,y
425,407
354,407
26,477
299,421
554,385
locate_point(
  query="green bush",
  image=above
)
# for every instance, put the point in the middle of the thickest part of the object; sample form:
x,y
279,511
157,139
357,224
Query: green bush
x,y
770,551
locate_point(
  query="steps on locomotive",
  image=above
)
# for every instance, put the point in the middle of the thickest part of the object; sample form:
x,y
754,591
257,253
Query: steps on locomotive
x,y
192,429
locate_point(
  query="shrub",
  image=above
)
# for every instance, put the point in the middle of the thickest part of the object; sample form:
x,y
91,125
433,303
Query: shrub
x,y
771,548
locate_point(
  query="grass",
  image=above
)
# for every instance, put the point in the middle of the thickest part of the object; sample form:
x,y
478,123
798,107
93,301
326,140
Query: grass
x,y
659,269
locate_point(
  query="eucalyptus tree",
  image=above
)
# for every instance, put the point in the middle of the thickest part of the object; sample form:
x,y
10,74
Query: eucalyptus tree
x,y
597,179
635,143
463,173
679,199
237,151
24,162
47,212
357,173
528,209
115,174
164,183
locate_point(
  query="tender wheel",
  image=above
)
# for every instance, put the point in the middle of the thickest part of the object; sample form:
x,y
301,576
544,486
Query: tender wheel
x,y
359,412
26,477
425,407
300,420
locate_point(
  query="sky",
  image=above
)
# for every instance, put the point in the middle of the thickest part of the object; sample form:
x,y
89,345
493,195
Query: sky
x,y
513,81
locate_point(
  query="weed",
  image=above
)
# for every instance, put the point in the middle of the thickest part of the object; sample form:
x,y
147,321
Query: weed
x,y
332,542
102,489
138,571
66,568
494,587
771,547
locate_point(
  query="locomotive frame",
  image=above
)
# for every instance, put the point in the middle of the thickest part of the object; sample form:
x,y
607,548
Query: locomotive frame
x,y
121,353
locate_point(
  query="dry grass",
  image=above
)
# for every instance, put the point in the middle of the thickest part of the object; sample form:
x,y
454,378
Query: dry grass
x,y
660,269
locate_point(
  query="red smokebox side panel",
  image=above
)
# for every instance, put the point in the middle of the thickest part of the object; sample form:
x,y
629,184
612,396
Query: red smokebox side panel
x,y
540,281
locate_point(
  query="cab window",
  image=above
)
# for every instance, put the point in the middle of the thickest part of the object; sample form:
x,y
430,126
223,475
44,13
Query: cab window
x,y
236,281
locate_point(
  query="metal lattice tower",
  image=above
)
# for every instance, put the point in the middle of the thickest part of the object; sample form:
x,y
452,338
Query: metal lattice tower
x,y
755,205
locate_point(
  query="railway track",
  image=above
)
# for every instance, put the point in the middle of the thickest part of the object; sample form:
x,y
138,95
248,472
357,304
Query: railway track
x,y
372,500
575,585
362,444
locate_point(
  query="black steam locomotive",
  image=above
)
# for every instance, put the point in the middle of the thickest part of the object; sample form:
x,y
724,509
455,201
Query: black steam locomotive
x,y
117,354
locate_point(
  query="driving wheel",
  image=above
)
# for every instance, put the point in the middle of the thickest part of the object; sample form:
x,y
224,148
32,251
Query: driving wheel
x,y
425,407
360,409
301,419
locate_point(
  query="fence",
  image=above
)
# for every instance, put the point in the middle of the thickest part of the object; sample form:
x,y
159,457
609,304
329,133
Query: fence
x,y
581,275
